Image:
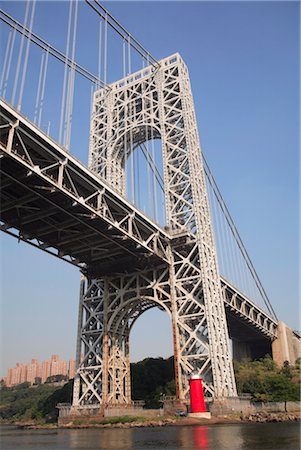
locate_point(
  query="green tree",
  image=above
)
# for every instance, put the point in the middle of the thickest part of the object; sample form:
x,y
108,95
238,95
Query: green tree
x,y
151,378
281,389
265,382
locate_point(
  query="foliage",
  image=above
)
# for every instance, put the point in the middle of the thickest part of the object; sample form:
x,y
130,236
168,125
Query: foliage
x,y
47,406
265,382
21,402
32,403
151,378
56,378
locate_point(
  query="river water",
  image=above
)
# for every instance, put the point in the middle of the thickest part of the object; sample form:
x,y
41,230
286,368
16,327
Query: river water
x,y
271,436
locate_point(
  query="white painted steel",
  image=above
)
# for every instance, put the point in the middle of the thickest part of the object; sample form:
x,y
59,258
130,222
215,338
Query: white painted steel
x,y
157,103
107,315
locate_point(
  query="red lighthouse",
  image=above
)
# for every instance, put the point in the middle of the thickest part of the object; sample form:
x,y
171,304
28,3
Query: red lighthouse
x,y
197,402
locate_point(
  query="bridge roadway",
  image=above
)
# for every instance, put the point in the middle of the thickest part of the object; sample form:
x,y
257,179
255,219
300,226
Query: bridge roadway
x,y
52,201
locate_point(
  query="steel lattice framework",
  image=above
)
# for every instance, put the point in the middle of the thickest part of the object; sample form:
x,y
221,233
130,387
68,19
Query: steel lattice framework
x,y
50,200
155,103
129,263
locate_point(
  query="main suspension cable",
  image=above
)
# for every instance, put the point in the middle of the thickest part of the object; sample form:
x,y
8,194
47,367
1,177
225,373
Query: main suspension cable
x,y
237,237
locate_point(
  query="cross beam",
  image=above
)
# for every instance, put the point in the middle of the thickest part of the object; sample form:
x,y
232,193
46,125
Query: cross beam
x,y
42,181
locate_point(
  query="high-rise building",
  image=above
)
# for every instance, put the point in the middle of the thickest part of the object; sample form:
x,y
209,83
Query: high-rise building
x,y
72,368
45,372
55,365
30,372
9,378
23,375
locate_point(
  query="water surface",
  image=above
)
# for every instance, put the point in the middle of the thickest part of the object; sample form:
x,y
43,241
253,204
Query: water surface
x,y
271,436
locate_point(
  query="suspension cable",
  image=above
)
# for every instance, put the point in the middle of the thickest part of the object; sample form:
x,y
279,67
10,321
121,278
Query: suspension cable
x,y
26,57
237,237
20,57
63,99
105,56
116,26
43,88
152,165
39,87
23,30
9,39
71,79
9,61
99,48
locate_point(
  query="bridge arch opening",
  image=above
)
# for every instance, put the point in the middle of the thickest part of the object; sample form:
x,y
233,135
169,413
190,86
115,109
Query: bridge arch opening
x,y
137,168
142,381
151,351
143,167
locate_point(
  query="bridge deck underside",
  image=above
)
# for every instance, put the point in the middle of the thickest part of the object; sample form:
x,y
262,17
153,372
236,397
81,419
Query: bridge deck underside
x,y
50,200
49,219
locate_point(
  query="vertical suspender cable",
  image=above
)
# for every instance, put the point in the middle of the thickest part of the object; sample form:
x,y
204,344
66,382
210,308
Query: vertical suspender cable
x,y
20,57
234,259
123,123
216,224
131,113
227,249
9,39
26,57
71,82
39,87
154,177
9,61
92,90
150,196
149,185
68,93
138,178
123,59
63,100
93,163
99,48
43,88
239,263
105,51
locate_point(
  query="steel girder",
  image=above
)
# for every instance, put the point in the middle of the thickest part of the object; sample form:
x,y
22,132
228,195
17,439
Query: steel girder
x,y
50,200
247,311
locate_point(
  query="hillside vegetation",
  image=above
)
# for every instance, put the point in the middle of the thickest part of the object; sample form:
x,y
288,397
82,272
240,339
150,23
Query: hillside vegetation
x,y
152,378
267,383
31,403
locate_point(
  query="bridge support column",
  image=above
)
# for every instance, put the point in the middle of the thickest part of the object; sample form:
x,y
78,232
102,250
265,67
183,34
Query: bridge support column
x,y
287,346
119,381
157,103
88,382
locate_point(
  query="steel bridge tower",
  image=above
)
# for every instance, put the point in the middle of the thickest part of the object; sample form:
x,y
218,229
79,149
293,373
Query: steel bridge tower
x,y
154,103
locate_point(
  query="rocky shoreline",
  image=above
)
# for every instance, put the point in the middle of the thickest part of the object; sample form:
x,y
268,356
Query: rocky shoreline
x,y
263,417
260,417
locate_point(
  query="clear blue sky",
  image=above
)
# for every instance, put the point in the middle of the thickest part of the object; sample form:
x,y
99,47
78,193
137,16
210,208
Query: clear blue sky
x,y
243,59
